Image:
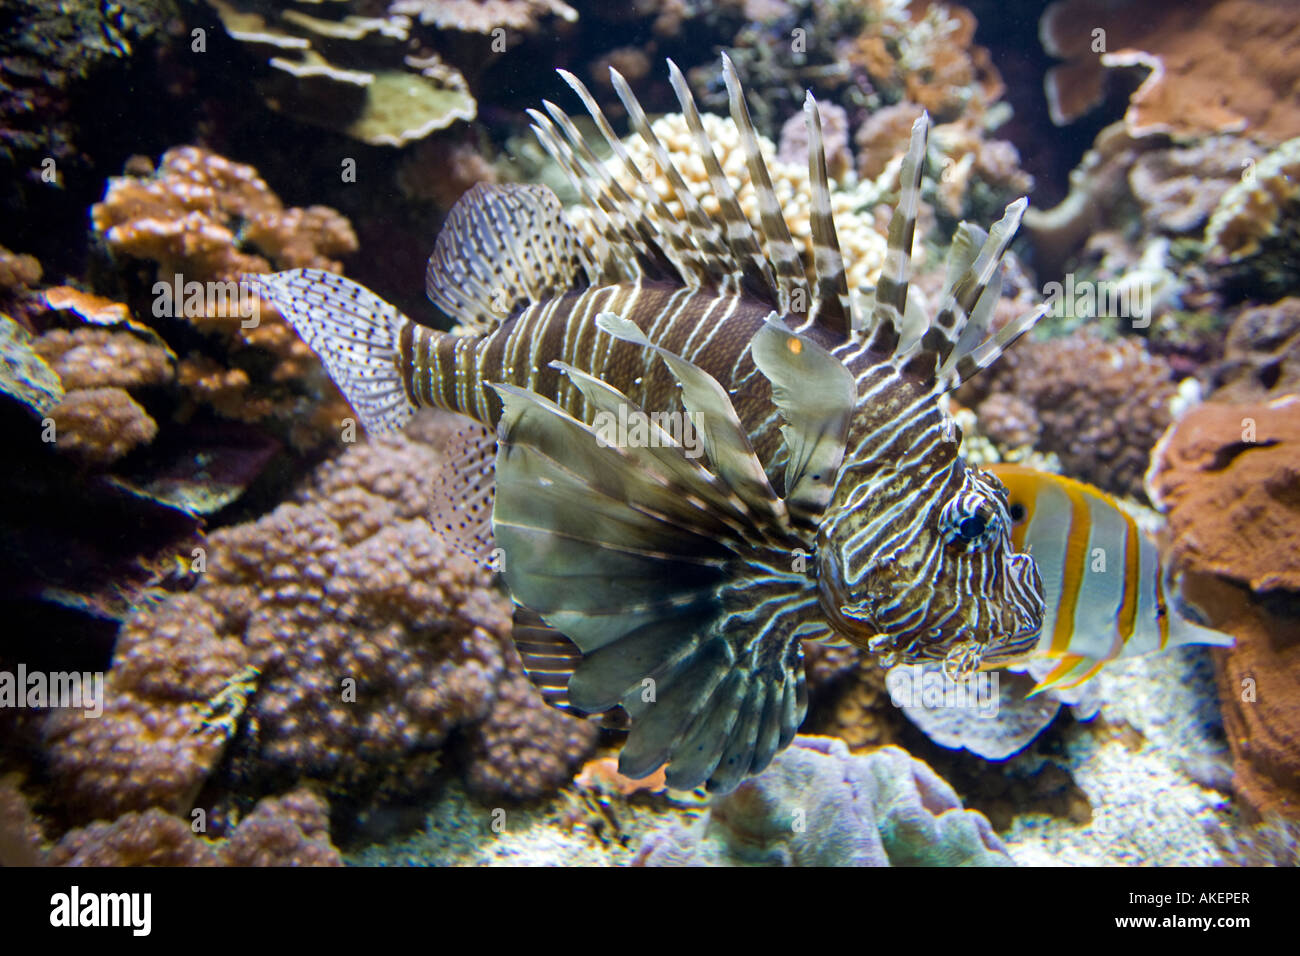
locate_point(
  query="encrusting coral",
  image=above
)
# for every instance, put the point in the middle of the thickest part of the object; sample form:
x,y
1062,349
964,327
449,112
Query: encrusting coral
x,y
1215,66
1253,236
1227,475
337,638
818,805
291,830
355,73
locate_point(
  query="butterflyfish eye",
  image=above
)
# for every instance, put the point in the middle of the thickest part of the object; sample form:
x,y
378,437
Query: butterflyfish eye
x,y
1017,512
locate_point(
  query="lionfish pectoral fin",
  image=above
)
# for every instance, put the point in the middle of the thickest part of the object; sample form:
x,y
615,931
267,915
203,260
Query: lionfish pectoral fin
x,y
549,659
356,334
640,557
460,505
815,395
725,439
502,247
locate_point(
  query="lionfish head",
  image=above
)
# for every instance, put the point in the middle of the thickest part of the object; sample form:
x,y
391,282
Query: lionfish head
x,y
926,570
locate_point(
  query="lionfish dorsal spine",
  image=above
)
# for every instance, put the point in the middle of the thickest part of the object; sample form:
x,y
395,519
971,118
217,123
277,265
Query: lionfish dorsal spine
x,y
792,282
831,299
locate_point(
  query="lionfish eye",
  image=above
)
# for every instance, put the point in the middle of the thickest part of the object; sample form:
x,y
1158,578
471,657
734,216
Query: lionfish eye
x,y
968,522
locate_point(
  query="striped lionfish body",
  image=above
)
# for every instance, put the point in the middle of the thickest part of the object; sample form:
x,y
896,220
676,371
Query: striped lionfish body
x,y
817,492
1107,594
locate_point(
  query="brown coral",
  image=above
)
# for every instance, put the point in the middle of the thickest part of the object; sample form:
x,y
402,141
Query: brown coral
x,y
484,16
358,641
1101,405
1214,66
93,358
292,830
100,425
206,219
1229,477
1262,353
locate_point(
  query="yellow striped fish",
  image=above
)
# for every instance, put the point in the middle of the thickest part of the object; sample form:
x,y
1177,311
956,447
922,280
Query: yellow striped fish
x,y
1102,577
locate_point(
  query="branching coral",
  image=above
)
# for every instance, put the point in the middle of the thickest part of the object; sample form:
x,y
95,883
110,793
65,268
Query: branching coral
x,y
1215,66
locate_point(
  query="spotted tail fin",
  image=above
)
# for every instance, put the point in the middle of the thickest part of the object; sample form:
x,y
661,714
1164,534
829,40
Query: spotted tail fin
x,y
356,334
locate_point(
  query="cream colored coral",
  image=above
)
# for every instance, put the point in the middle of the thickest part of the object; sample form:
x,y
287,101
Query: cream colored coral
x,y
1253,210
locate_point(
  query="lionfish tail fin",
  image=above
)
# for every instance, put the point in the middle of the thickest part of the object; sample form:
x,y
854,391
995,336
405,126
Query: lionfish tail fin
x,y
356,334
501,248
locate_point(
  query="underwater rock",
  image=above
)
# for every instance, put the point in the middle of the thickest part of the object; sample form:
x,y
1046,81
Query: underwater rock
x,y
25,376
1213,64
818,805
1229,478
847,696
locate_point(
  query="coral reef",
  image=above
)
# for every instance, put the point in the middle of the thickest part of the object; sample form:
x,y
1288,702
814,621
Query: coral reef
x,y
1262,353
1128,189
205,219
291,830
1100,405
337,639
847,696
818,805
1215,66
1252,237
835,140
1227,476
355,74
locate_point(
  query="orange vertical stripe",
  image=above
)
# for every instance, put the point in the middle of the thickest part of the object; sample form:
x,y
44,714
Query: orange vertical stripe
x,y
1076,554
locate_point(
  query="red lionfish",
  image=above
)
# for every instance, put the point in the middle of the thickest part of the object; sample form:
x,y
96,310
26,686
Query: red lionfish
x,y
831,501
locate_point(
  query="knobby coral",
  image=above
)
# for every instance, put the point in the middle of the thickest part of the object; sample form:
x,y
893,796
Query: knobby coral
x,y
337,639
205,219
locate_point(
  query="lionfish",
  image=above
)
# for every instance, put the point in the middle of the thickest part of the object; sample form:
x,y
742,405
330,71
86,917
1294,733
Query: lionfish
x,y
1108,595
830,500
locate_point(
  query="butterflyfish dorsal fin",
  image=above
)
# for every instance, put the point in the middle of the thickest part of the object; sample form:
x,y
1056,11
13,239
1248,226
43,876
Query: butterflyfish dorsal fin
x,y
501,248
